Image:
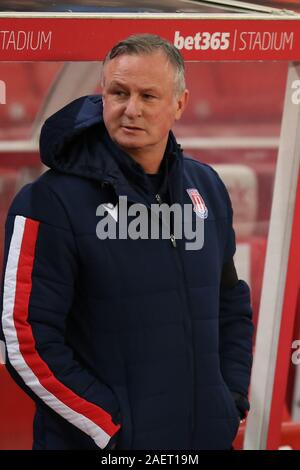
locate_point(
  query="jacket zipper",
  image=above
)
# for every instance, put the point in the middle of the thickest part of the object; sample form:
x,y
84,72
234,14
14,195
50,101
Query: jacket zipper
x,y
172,236
188,308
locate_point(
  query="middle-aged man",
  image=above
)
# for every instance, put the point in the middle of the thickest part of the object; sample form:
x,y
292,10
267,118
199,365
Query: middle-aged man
x,y
126,342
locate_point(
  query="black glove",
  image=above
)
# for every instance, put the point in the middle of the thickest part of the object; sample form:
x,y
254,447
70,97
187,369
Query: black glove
x,y
242,404
112,444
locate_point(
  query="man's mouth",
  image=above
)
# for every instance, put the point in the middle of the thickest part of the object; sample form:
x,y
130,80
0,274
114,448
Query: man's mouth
x,y
132,128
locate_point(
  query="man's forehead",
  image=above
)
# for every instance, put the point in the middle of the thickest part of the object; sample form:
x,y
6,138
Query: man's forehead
x,y
131,70
126,62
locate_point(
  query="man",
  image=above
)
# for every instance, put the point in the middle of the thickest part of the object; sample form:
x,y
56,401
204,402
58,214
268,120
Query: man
x,y
125,343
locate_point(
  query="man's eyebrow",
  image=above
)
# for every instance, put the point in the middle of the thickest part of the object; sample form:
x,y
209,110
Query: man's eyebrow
x,y
116,82
150,89
143,90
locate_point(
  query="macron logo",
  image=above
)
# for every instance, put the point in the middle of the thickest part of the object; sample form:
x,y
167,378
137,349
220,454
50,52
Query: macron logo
x,y
202,41
112,210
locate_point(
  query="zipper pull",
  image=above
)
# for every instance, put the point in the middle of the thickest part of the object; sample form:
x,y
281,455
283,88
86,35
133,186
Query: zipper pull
x,y
173,240
172,237
105,184
158,198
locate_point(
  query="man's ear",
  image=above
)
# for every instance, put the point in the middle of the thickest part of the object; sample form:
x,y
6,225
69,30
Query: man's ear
x,y
103,97
181,103
102,85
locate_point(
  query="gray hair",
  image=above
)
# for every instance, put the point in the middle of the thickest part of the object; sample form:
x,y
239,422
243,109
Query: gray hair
x,y
141,44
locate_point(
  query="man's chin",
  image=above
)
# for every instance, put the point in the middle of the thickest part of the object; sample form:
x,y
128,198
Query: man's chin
x,y
129,145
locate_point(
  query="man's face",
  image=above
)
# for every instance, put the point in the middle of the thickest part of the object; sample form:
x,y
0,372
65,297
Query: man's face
x,y
140,104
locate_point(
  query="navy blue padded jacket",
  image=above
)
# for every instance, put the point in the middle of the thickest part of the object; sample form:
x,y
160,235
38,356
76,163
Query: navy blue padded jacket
x,y
134,342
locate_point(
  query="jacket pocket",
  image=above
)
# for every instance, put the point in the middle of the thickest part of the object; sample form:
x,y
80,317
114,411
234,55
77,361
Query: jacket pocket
x,y
233,421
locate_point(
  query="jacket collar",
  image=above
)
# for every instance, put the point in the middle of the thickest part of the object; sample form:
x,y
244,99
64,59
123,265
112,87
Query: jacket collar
x,y
75,141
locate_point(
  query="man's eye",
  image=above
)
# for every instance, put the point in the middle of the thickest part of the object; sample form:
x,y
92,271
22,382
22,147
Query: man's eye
x,y
119,93
148,97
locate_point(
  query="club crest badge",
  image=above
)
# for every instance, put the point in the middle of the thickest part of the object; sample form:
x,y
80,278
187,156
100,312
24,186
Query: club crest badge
x,y
198,203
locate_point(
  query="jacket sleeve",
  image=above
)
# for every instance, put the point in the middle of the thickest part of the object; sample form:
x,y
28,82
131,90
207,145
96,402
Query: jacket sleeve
x,y
41,267
235,325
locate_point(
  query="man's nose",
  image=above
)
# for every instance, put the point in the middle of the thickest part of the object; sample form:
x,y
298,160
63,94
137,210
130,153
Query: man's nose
x,y
133,107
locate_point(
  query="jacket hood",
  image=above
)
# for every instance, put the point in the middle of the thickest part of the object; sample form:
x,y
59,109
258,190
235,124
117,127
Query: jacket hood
x,y
68,140
74,140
